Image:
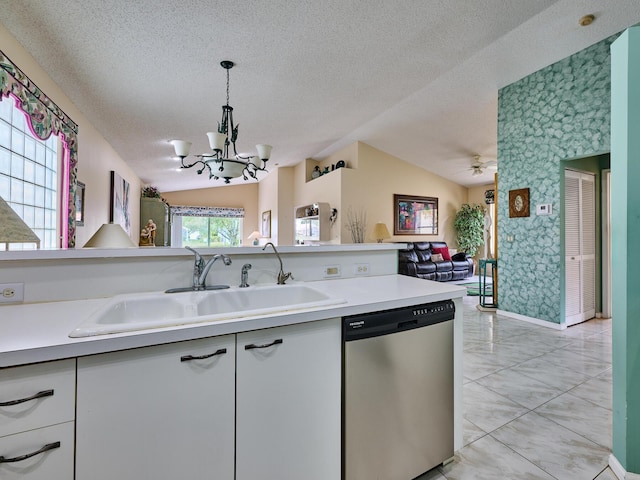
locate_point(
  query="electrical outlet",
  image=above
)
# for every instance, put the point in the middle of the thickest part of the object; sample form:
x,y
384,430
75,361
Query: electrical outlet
x,y
11,292
361,269
331,271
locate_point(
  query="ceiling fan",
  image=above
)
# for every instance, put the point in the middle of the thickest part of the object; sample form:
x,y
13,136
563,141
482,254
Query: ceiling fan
x,y
477,167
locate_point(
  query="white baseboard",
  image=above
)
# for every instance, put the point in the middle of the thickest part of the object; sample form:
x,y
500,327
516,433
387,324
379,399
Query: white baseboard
x,y
619,470
537,321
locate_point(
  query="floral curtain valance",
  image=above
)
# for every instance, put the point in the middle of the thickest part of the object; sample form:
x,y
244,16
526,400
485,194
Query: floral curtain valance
x,y
223,212
45,118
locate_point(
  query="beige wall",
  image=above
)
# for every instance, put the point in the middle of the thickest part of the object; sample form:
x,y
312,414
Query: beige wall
x,y
96,158
476,194
379,176
232,196
276,196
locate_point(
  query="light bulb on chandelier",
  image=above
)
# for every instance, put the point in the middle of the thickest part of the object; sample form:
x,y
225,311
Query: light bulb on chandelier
x,y
219,164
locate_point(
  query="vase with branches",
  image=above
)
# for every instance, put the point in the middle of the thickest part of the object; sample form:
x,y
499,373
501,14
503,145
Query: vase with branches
x,y
357,224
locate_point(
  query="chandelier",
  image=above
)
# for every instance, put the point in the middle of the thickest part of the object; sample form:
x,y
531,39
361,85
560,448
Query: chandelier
x,y
219,164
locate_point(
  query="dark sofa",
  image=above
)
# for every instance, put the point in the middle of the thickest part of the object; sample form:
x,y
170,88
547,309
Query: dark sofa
x,y
416,261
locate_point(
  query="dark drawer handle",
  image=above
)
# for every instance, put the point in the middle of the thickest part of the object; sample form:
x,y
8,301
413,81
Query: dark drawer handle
x,y
188,358
251,346
44,393
46,448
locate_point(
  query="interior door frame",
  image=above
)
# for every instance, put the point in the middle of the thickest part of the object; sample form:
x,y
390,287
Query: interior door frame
x,y
606,243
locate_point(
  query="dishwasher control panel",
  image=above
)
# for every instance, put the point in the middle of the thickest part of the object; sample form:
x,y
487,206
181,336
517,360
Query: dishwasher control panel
x,y
385,322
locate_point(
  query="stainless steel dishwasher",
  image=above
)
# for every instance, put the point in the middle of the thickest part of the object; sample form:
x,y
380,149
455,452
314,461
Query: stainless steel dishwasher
x,y
397,392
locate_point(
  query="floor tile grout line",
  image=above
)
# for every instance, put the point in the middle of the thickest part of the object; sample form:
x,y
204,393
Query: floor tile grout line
x,y
522,456
586,399
608,448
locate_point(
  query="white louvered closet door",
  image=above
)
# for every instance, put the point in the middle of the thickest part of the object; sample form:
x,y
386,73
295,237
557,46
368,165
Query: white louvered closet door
x,y
580,246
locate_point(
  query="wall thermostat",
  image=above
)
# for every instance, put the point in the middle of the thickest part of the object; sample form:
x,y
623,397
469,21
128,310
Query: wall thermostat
x,y
543,209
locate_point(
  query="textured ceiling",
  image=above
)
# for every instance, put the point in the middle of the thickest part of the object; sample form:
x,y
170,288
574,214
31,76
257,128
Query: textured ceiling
x,y
417,79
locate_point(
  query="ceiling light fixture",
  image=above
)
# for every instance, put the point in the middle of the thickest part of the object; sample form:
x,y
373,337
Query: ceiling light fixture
x,y
586,20
219,164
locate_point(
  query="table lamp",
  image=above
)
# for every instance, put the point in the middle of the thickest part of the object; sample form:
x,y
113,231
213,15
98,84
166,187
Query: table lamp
x,y
255,235
380,232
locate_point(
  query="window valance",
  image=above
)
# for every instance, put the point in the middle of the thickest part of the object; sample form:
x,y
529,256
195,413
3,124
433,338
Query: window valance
x,y
44,118
187,211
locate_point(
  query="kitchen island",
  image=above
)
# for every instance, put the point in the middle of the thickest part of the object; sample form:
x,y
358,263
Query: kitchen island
x,y
245,395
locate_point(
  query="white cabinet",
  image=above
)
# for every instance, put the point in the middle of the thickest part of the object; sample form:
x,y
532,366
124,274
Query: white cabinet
x,y
157,412
37,408
269,410
53,449
288,402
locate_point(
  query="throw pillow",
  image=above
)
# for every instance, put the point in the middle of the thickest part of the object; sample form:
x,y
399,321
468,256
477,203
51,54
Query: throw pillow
x,y
459,257
442,250
437,257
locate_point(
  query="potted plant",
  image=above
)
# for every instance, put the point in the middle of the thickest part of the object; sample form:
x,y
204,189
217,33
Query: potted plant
x,y
150,192
469,225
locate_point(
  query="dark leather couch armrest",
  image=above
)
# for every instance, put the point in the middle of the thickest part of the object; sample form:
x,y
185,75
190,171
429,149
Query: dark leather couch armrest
x,y
411,269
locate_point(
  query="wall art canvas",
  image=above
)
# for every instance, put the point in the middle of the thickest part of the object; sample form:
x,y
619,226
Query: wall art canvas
x,y
519,202
79,200
415,215
120,212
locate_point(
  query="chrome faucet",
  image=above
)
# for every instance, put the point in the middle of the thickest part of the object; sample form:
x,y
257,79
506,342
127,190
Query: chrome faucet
x,y
201,269
244,275
282,277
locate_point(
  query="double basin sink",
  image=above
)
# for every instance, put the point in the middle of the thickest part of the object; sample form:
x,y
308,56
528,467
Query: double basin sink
x,y
132,312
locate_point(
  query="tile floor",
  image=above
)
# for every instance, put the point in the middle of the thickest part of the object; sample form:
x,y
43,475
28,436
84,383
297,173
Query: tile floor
x,y
537,401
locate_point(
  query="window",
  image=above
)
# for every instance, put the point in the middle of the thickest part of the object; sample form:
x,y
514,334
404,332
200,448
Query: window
x,y
29,175
32,181
206,227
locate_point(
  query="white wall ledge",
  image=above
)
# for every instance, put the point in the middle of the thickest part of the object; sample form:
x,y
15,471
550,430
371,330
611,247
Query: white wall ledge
x,y
154,252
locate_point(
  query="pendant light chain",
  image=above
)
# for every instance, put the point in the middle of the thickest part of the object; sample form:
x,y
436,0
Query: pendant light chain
x,y
228,86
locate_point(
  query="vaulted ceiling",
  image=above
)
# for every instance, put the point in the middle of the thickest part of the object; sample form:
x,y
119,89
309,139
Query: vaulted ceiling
x,y
418,79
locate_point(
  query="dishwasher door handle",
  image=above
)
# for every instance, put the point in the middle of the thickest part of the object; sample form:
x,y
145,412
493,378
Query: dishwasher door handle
x,y
410,323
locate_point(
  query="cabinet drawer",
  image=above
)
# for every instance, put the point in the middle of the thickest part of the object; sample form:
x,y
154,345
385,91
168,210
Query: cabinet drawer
x,y
18,384
56,463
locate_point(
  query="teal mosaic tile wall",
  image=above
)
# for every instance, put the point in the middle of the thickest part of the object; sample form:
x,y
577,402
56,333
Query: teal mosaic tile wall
x,y
558,113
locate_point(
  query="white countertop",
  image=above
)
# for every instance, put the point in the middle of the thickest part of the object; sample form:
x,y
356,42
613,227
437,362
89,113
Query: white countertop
x,y
39,332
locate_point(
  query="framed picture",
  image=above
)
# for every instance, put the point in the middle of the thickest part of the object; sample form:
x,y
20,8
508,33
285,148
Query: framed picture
x,y
79,201
119,211
415,215
519,202
266,224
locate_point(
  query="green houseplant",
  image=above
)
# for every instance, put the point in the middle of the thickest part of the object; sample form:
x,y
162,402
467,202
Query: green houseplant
x,y
469,225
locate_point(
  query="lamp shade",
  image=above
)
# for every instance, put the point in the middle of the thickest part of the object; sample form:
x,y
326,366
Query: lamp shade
x,y
12,227
110,235
231,169
380,232
264,151
216,140
181,147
